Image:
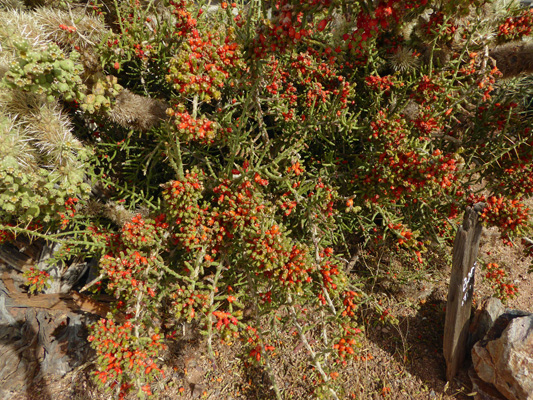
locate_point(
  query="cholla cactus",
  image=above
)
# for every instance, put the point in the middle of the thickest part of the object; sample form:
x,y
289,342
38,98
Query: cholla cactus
x,y
404,59
43,130
4,64
70,30
13,4
513,59
15,143
103,90
17,103
20,25
137,112
46,71
47,55
41,160
52,133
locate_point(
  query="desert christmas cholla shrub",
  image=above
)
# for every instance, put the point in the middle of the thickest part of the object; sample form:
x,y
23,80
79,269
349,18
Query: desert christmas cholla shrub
x,y
225,165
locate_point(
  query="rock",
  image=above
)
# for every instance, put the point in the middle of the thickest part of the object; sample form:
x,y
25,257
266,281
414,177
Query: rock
x,y
490,309
195,375
504,358
483,390
197,391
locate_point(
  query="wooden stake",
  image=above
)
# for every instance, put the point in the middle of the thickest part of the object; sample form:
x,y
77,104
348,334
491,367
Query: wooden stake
x,y
458,307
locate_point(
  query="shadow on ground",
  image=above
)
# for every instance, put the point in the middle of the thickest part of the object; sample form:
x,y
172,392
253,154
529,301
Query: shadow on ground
x,y
416,342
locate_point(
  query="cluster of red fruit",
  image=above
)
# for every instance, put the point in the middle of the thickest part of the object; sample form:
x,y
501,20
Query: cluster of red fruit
x,y
345,346
515,28
188,303
517,179
236,220
427,90
36,279
404,171
125,273
382,84
185,23
438,27
330,273
143,50
124,356
203,63
69,29
224,320
285,29
201,130
350,303
315,85
508,215
499,282
371,25
139,233
407,239
129,261
69,213
192,224
486,83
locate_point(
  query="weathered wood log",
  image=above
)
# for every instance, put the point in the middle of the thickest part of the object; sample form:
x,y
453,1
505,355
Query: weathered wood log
x,y
459,304
39,336
24,253
21,254
68,302
43,334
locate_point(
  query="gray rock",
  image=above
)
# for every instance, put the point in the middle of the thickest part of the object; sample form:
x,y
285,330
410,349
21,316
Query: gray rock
x,y
504,358
485,316
482,389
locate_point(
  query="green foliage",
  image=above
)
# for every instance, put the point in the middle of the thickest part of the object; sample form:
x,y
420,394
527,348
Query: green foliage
x,y
48,71
37,195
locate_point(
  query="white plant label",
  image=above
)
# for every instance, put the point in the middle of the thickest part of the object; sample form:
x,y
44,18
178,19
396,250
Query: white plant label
x,y
467,283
